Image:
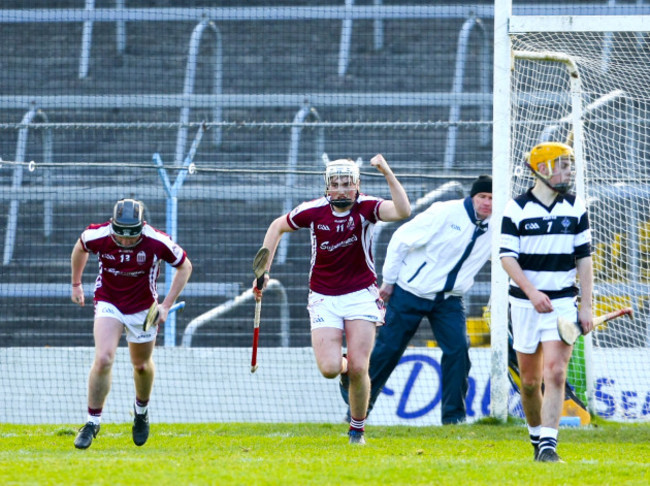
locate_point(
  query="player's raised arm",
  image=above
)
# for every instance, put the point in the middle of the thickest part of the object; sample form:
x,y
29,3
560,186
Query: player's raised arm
x,y
399,207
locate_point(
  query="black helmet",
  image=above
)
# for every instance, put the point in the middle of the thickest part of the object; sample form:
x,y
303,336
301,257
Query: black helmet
x,y
127,218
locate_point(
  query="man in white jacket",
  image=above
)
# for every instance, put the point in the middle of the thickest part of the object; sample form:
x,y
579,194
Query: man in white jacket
x,y
430,263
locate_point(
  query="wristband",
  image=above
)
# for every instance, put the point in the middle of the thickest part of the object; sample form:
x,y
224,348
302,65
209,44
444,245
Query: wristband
x,y
76,284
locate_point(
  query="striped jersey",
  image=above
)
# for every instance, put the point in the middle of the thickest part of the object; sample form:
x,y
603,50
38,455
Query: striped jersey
x,y
341,244
546,241
127,276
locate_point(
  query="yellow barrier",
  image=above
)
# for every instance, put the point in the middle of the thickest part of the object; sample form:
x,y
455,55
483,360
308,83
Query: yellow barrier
x,y
478,331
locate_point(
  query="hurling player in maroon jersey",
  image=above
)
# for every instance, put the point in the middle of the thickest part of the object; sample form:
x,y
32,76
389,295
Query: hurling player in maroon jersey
x,y
129,252
343,295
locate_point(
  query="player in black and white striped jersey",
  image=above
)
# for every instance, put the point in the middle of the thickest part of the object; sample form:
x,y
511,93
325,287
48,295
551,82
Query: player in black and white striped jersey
x,y
545,244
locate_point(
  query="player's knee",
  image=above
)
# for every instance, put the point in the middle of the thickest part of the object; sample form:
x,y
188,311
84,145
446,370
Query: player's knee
x,y
555,374
330,369
143,367
530,387
104,362
330,372
357,369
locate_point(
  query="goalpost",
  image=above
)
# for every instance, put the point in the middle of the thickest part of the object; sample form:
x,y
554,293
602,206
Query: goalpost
x,y
583,80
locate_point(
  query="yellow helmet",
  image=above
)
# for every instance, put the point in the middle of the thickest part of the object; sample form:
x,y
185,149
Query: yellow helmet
x,y
547,153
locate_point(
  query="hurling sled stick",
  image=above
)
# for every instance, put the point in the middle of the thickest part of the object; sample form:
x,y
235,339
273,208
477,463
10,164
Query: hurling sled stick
x,y
571,330
259,267
152,315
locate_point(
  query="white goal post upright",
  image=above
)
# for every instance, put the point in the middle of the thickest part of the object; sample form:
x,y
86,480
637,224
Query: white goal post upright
x,y
581,79
499,384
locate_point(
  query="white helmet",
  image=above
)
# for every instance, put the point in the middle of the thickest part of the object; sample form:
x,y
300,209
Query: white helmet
x,y
341,168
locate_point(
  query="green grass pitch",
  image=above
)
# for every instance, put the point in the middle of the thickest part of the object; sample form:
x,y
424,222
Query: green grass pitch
x,y
314,454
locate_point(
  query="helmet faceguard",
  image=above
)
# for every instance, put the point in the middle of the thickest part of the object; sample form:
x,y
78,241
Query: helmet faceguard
x,y
549,154
128,218
342,168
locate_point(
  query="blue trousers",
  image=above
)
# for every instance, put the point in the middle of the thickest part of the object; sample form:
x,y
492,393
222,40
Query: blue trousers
x,y
404,313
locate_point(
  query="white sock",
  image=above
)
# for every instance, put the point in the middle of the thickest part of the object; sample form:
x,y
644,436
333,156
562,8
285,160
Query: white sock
x,y
535,431
140,409
548,432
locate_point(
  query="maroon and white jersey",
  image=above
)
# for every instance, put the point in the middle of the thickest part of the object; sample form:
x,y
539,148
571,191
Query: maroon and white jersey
x,y
341,244
127,276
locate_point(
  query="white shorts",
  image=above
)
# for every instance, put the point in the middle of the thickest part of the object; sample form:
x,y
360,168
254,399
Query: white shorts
x,y
529,327
334,310
132,322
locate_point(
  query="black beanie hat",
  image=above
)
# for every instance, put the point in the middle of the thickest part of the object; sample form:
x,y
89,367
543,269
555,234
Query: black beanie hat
x,y
482,184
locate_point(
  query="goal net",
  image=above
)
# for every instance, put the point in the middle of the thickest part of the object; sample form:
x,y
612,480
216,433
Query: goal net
x,y
590,89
